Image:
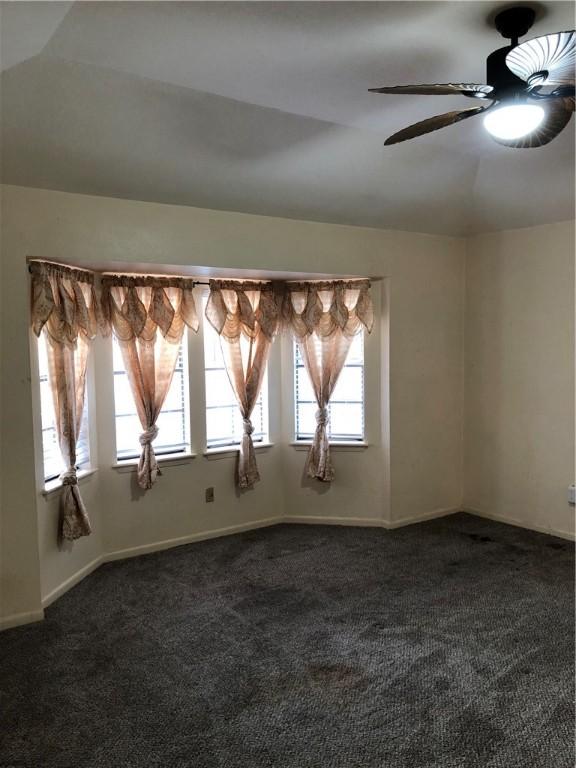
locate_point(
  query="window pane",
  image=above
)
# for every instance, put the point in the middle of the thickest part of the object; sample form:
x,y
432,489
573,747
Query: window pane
x,y
345,420
349,385
259,420
346,407
52,458
170,429
218,389
175,394
356,351
221,424
306,419
305,391
172,422
127,431
83,445
223,420
53,464
212,350
123,395
47,405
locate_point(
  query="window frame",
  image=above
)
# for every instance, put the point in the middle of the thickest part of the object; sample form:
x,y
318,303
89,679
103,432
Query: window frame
x,y
165,453
337,439
260,439
84,463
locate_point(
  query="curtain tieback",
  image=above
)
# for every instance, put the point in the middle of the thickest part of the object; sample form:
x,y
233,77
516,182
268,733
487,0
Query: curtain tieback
x,y
248,426
69,477
149,434
322,417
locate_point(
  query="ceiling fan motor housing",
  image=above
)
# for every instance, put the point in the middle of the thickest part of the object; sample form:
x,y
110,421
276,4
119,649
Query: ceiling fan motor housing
x,y
500,77
512,23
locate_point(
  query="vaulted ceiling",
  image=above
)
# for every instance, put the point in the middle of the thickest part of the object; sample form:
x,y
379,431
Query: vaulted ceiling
x,y
263,107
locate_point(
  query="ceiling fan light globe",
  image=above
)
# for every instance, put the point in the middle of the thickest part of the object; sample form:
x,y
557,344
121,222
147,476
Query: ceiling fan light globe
x,y
512,121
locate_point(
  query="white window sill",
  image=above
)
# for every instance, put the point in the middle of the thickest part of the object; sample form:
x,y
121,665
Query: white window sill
x,y
232,450
168,460
339,445
53,486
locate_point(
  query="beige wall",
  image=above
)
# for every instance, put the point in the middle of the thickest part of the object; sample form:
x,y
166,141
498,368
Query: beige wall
x,y
519,394
518,369
423,299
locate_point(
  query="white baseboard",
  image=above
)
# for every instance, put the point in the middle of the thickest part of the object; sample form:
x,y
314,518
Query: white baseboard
x,y
18,619
372,522
569,535
401,522
71,582
27,618
158,546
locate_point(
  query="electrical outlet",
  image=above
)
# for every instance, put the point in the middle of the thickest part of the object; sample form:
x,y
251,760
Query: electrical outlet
x,y
572,494
210,494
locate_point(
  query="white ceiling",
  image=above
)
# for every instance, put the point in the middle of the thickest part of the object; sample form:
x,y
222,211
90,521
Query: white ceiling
x,y
263,107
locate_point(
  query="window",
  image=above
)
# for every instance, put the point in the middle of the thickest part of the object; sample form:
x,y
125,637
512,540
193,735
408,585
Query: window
x,y
346,407
53,463
223,419
172,422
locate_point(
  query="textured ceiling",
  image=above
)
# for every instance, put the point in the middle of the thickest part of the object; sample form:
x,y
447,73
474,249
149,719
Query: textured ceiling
x,y
263,107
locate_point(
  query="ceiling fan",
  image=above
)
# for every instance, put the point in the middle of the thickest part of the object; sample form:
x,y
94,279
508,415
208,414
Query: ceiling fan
x,y
530,87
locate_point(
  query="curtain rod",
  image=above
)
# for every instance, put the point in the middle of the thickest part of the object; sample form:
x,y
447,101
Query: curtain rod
x,y
204,282
134,274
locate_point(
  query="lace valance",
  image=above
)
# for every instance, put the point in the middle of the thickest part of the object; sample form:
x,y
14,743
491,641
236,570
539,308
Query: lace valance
x,y
302,308
64,302
327,306
238,307
135,306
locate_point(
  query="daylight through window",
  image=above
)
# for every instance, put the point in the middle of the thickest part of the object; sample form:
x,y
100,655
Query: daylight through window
x,y
223,418
53,463
172,422
346,406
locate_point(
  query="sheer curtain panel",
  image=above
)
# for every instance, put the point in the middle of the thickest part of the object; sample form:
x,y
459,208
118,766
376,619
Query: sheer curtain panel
x,y
324,318
147,315
66,310
251,310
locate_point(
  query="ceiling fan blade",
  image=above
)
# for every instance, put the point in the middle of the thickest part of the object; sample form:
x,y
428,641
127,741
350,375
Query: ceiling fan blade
x,y
546,60
433,124
438,89
564,91
558,113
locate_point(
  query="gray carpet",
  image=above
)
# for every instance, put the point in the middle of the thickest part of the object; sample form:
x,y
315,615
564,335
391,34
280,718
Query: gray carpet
x,y
445,644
